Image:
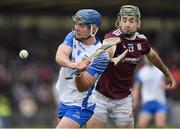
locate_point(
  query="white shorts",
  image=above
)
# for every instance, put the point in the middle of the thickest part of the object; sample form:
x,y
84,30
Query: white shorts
x,y
121,111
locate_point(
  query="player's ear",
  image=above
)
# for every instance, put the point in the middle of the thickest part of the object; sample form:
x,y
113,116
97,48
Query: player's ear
x,y
139,24
94,28
118,23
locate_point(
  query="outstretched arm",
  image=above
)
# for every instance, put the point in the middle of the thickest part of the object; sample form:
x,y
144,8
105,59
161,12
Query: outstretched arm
x,y
156,60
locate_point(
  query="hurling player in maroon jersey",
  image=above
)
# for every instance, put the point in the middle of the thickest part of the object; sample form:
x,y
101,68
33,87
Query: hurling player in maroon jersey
x,y
113,92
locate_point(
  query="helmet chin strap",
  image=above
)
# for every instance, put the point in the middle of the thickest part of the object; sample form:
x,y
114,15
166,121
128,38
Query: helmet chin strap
x,y
91,31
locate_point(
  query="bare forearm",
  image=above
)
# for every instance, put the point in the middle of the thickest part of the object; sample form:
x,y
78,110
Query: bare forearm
x,y
80,83
84,81
156,60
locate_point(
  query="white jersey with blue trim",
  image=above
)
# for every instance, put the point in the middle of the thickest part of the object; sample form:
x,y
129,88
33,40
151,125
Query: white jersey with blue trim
x,y
152,84
67,91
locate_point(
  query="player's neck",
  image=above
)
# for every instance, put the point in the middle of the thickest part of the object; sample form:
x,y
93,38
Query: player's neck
x,y
132,37
89,41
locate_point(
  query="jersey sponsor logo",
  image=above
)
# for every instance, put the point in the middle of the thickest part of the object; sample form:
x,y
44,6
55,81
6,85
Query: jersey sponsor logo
x,y
132,60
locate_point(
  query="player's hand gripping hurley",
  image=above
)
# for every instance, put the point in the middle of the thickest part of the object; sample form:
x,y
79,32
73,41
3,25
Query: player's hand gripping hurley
x,y
107,43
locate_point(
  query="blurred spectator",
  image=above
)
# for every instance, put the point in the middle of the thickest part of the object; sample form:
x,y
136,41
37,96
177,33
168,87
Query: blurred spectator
x,y
28,107
5,112
150,85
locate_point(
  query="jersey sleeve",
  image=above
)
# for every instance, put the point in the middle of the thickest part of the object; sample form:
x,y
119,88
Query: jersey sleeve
x,y
108,35
69,39
113,33
98,65
145,46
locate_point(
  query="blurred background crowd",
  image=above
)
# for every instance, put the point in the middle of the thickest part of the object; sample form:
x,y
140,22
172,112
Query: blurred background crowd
x,y
27,96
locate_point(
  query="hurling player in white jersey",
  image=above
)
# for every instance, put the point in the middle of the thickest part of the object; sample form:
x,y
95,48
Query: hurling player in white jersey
x,y
76,106
149,87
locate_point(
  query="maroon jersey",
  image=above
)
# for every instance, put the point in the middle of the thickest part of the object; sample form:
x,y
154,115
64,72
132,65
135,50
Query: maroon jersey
x,y
116,81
